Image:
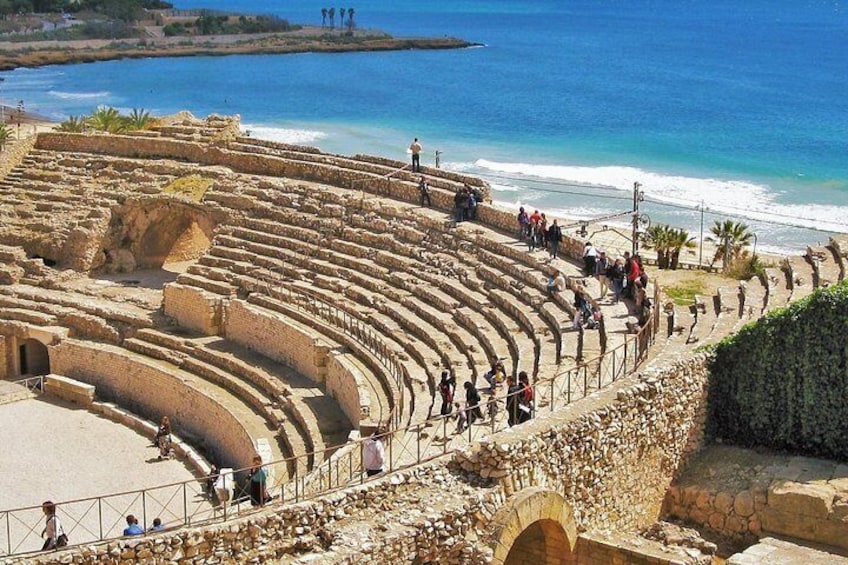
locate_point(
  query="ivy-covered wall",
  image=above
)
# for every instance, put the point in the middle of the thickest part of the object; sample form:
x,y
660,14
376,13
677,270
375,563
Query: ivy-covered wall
x,y
783,382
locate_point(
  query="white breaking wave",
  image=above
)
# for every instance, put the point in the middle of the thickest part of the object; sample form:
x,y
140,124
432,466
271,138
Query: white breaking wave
x,y
731,197
285,135
78,95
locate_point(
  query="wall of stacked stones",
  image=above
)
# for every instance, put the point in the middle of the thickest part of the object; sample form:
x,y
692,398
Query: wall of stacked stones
x,y
431,536
150,391
13,154
612,455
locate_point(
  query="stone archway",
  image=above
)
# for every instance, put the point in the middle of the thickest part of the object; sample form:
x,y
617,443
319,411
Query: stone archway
x,y
535,526
33,358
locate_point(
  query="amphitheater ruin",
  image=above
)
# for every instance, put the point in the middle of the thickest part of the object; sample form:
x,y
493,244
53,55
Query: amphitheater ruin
x,y
278,300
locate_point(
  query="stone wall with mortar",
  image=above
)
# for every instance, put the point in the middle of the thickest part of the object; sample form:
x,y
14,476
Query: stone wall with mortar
x,y
279,339
347,385
303,349
193,308
147,389
613,454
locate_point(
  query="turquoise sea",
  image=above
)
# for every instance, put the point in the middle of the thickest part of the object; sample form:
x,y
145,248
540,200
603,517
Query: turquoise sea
x,y
740,105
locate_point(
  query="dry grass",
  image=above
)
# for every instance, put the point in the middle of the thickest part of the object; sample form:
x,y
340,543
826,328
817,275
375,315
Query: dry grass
x,y
192,187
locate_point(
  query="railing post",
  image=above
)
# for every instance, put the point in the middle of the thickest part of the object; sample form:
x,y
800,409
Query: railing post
x,y
445,434
9,536
569,386
362,460
185,505
418,444
144,508
553,393
296,482
100,515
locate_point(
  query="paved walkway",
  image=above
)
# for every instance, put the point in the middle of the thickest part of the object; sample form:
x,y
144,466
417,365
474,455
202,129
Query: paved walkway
x,y
52,450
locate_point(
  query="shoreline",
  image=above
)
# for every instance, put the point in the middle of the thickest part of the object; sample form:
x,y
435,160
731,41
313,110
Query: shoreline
x,y
15,55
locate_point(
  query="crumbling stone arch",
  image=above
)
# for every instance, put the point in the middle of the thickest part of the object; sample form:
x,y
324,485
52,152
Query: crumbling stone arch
x,y
535,526
150,233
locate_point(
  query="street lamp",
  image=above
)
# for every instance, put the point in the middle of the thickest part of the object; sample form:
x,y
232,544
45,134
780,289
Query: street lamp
x,y
20,113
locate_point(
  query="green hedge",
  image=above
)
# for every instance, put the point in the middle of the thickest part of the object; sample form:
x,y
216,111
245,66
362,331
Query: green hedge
x,y
783,382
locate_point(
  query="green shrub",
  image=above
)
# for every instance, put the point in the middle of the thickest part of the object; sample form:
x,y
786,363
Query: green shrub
x,y
783,381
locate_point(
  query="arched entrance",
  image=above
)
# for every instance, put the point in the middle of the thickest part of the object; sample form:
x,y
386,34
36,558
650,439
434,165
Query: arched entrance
x,y
33,358
535,526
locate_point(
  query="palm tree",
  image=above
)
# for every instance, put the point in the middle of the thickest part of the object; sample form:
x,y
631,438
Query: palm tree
x,y
106,119
341,17
730,238
138,119
5,136
74,124
350,19
676,241
323,17
332,13
656,237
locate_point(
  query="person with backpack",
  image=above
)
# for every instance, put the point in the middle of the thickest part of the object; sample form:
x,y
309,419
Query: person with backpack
x,y
53,534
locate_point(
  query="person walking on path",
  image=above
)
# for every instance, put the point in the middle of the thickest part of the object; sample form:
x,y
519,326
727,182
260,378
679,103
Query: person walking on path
x,y
602,264
424,192
53,534
554,239
258,482
513,392
590,254
374,454
472,403
416,148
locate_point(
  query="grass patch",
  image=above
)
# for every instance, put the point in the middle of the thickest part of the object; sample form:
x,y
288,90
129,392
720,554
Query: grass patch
x,y
683,292
192,187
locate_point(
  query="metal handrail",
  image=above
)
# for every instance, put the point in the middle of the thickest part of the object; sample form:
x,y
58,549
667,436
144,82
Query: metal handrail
x,y
408,446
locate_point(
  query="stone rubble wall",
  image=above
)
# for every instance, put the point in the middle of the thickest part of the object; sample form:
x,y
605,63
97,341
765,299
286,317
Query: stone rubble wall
x,y
612,455
146,388
803,498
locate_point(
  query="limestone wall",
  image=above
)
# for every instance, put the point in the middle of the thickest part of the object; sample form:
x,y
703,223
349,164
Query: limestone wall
x,y
279,339
142,386
347,385
613,455
193,308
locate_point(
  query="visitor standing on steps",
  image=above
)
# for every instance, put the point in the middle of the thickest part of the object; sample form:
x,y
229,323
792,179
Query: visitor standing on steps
x,y
447,387
374,453
416,148
258,478
424,191
602,264
554,239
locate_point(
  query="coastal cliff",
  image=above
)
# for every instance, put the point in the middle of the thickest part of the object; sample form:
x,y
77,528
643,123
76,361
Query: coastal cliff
x,y
41,53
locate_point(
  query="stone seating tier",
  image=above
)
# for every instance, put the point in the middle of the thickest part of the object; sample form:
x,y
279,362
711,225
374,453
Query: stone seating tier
x,y
825,263
302,430
800,275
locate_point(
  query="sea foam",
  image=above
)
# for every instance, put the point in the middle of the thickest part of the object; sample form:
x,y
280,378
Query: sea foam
x,y
735,198
285,135
78,95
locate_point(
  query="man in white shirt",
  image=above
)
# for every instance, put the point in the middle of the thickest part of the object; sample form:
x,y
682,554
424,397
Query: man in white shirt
x,y
416,148
373,454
